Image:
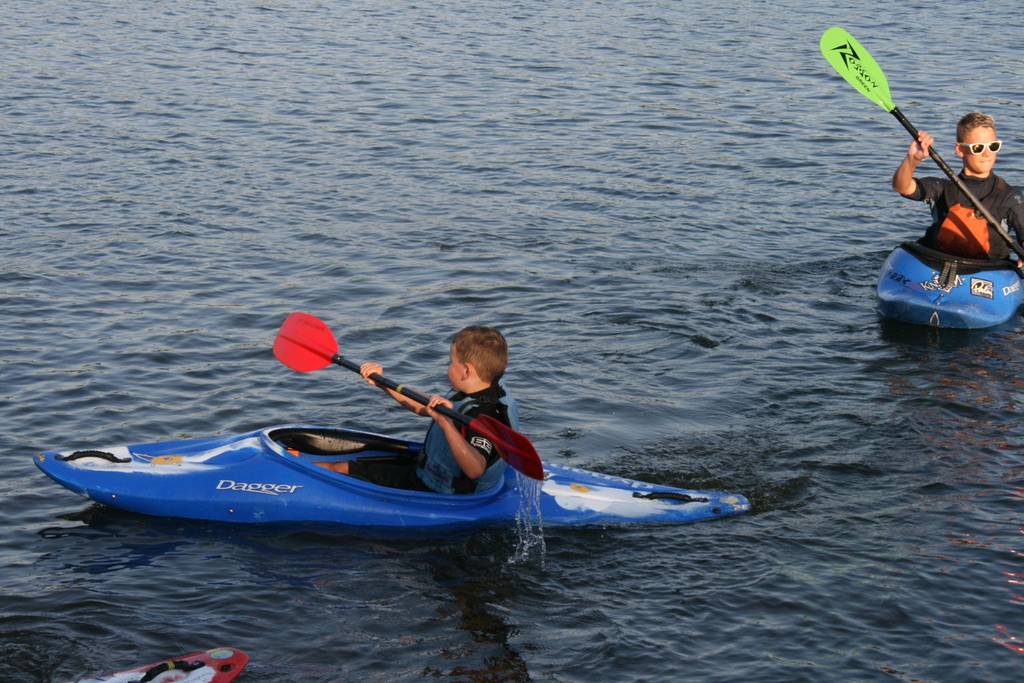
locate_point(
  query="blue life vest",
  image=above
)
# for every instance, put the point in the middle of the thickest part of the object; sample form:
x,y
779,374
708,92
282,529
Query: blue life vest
x,y
437,467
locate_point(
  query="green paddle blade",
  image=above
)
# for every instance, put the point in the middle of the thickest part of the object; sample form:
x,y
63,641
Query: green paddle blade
x,y
856,65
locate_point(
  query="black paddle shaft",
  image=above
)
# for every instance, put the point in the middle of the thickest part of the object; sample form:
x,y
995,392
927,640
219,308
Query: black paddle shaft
x,y
401,389
959,183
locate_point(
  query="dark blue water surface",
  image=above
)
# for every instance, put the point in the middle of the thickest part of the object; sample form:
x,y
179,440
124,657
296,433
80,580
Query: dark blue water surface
x,y
676,211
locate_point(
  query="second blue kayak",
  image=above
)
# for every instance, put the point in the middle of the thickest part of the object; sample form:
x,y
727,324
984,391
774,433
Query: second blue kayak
x,y
271,476
927,287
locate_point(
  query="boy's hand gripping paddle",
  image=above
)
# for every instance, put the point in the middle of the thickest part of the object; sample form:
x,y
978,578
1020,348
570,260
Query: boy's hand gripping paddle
x,y
858,67
305,344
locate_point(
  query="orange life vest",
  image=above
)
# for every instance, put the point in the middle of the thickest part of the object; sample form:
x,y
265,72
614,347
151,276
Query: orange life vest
x,y
964,233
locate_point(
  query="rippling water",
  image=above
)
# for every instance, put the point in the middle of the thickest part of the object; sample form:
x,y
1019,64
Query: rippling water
x,y
674,210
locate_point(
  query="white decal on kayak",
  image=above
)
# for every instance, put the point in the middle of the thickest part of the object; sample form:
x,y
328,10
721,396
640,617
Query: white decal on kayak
x,y
1007,291
143,462
613,501
256,487
937,285
632,483
981,287
252,442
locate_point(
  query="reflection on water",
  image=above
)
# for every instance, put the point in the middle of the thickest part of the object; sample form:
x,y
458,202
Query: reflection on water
x,y
954,399
205,572
921,336
1014,639
957,392
479,593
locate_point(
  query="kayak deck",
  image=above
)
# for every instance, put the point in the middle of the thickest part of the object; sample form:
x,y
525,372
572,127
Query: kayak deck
x,y
923,286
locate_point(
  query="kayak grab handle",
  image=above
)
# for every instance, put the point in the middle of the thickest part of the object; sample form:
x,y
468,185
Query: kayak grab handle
x,y
102,455
170,665
669,495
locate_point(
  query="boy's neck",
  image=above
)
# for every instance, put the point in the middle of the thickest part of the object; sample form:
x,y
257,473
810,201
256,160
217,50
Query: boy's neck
x,y
968,174
474,385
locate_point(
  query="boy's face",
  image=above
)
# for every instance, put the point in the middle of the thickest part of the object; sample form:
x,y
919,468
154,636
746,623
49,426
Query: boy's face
x,y
979,165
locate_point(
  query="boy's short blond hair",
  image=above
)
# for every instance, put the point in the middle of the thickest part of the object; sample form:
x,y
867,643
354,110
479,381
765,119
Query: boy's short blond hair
x,y
485,348
971,121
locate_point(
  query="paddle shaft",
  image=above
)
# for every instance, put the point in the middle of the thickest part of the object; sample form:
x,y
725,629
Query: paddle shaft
x,y
383,381
960,184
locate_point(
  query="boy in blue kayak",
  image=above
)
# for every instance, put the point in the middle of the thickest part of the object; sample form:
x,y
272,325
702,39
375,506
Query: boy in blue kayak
x,y
956,228
454,459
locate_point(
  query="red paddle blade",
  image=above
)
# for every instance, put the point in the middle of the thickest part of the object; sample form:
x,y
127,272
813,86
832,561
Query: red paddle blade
x,y
514,448
305,343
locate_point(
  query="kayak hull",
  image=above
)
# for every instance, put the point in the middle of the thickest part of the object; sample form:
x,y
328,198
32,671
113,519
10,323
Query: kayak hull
x,y
219,665
270,476
926,287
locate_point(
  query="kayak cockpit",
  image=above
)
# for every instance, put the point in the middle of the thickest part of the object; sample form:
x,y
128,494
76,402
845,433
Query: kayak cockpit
x,y
325,441
304,447
939,260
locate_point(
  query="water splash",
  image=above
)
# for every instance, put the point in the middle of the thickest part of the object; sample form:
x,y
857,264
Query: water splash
x,y
529,523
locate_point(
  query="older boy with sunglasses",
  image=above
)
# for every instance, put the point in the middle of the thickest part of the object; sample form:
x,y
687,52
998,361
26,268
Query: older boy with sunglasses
x,y
956,229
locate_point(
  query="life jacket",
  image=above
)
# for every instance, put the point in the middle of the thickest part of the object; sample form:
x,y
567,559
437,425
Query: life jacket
x,y
437,467
963,231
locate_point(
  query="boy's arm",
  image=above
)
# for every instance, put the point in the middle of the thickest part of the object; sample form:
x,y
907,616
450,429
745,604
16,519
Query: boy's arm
x,y
1017,222
471,461
903,179
367,369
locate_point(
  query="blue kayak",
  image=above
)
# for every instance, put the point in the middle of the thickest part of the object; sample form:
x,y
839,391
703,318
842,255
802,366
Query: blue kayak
x,y
928,287
270,476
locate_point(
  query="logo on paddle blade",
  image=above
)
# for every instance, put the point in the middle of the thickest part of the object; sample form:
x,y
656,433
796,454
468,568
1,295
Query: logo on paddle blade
x,y
853,64
847,52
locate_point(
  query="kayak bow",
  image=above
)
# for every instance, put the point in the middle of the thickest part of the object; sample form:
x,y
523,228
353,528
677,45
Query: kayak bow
x,y
927,287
